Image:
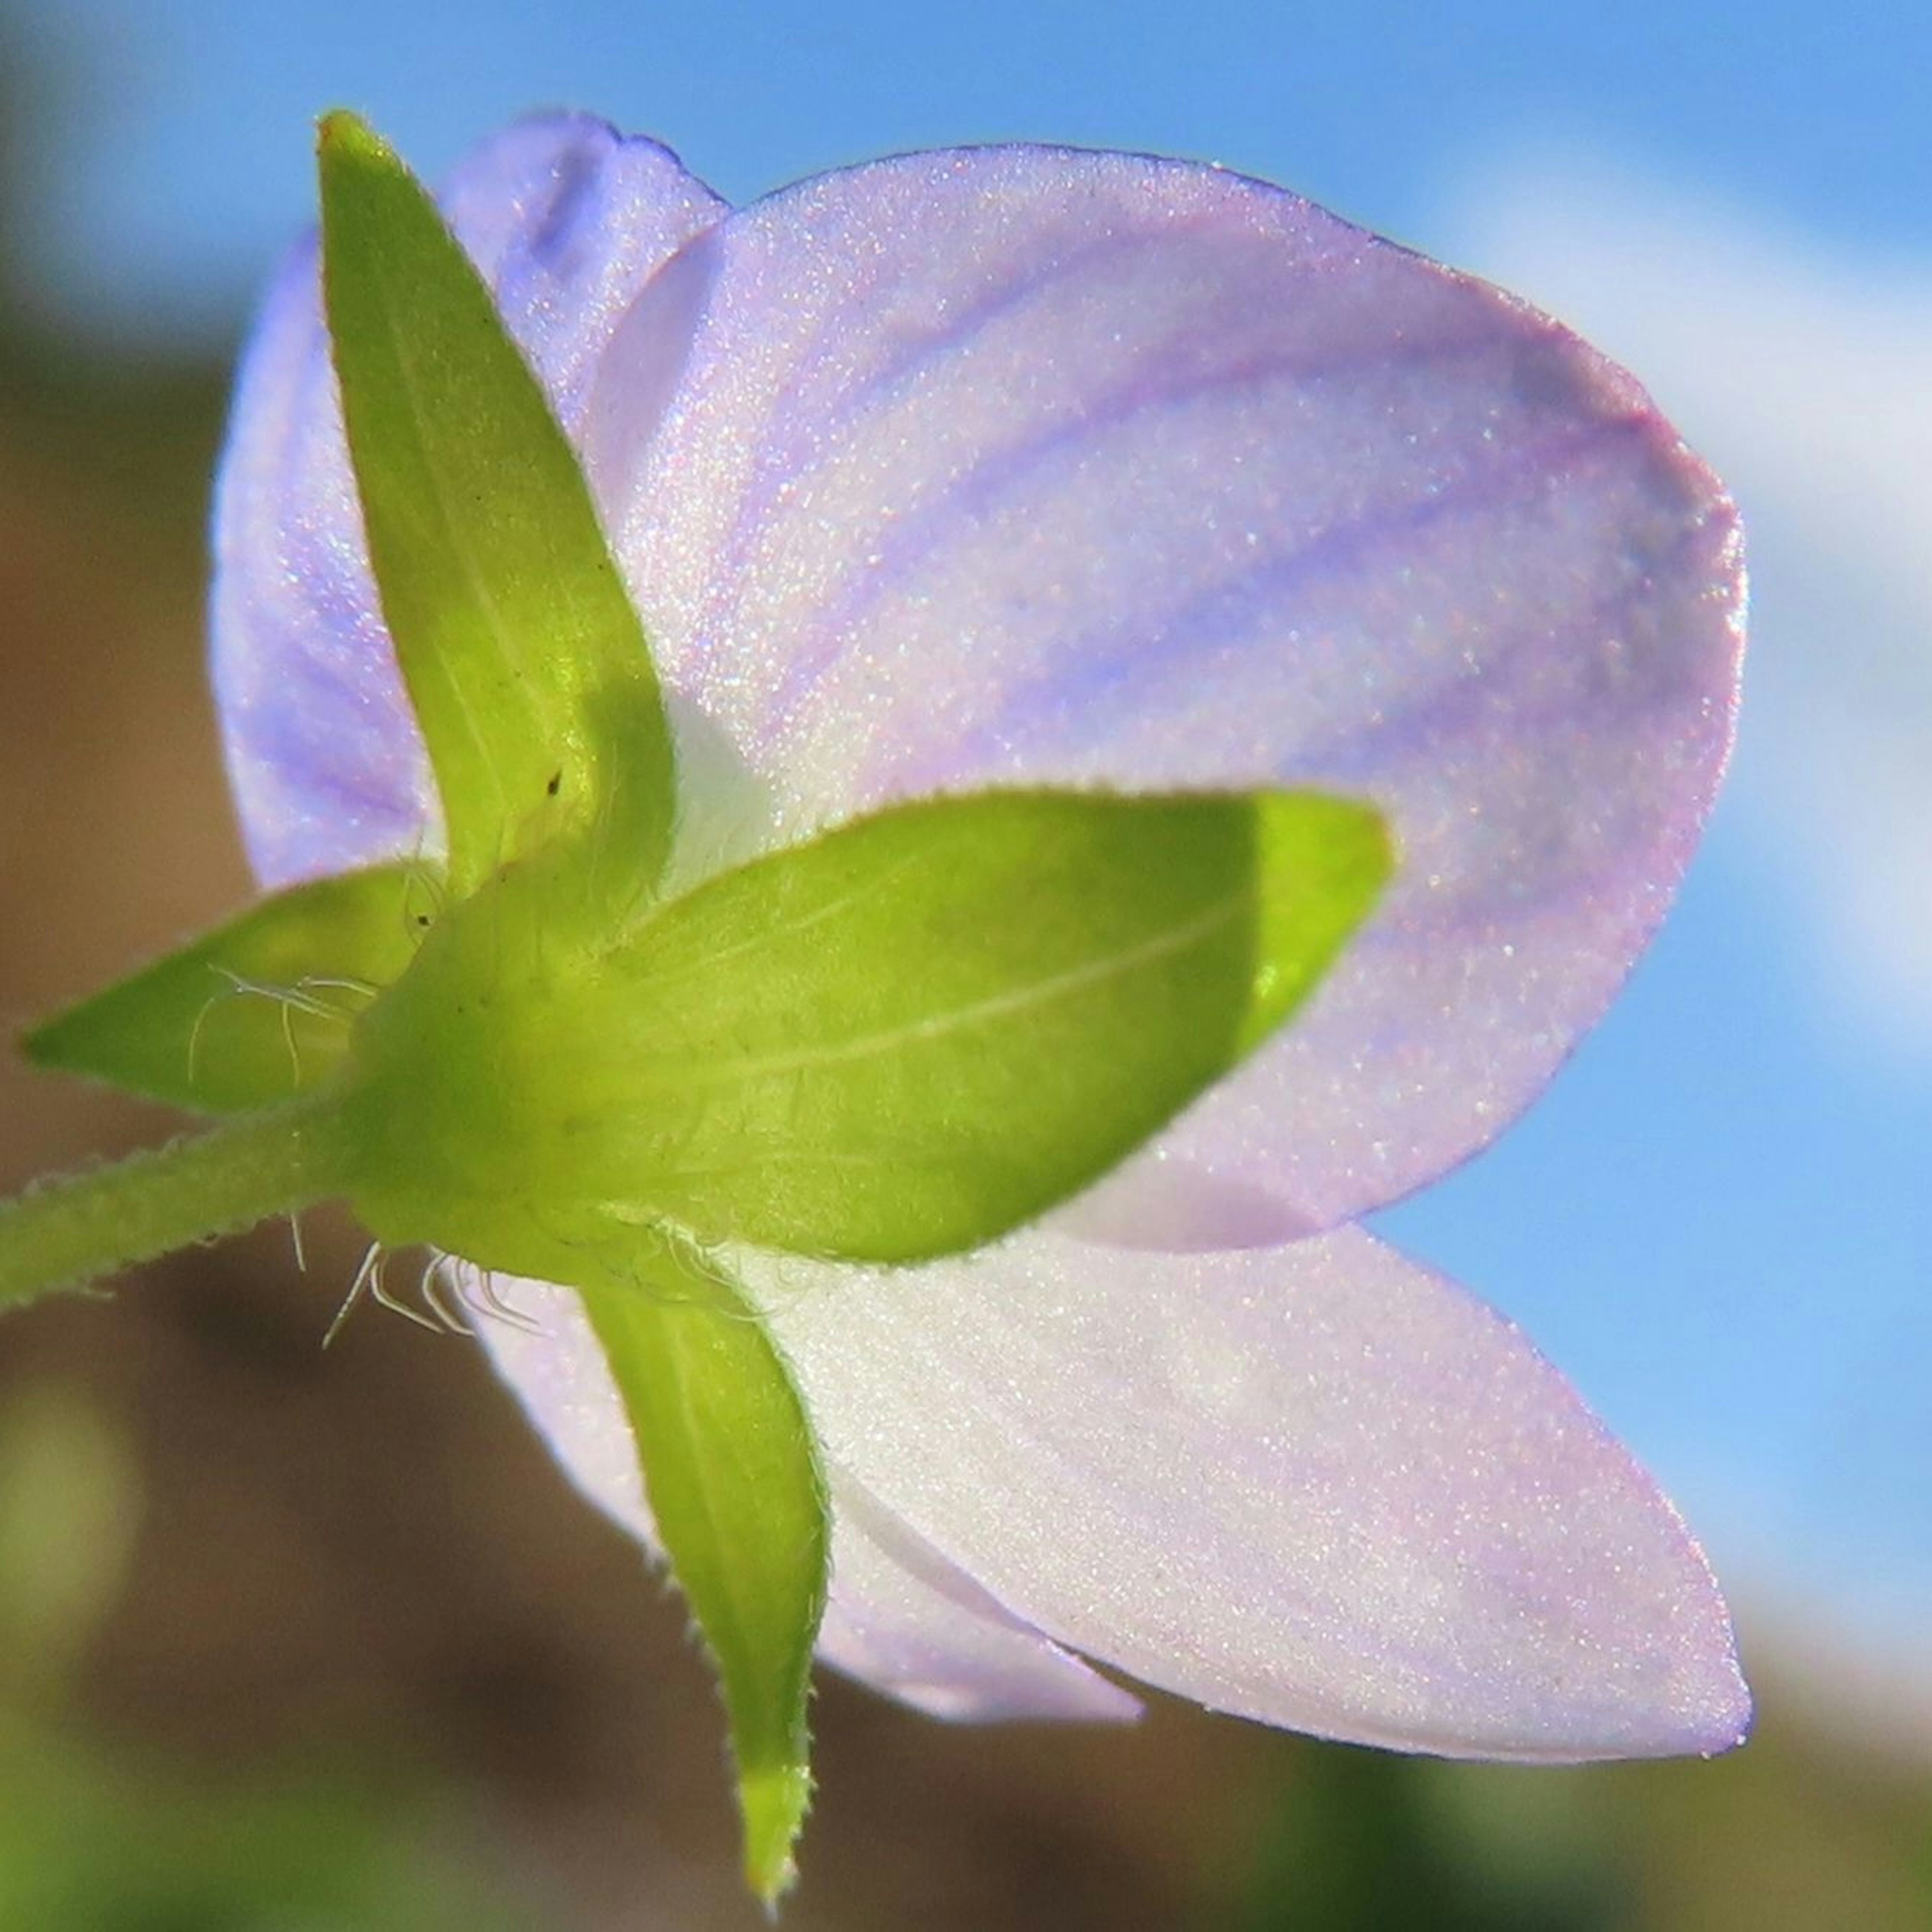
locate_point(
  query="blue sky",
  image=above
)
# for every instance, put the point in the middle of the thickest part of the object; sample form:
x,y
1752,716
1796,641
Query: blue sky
x,y
196,156
1718,1220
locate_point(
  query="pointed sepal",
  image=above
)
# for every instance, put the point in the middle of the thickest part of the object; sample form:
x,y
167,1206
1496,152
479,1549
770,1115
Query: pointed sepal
x,y
525,661
257,1011
731,1469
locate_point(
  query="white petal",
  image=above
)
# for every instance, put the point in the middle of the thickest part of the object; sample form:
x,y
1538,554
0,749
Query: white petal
x,y
1022,466
901,1617
905,1620
1316,1486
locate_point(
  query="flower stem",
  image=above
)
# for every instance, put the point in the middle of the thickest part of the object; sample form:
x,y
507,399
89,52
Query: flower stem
x,y
66,1231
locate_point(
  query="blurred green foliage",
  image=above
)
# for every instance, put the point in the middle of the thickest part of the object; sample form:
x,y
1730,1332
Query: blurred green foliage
x,y
1368,1840
1797,1830
94,1839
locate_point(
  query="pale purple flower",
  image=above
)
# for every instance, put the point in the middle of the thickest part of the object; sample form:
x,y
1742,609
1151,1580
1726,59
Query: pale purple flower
x,y
1021,464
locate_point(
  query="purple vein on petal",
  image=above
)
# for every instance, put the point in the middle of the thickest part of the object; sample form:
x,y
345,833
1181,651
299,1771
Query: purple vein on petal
x,y
970,496
1224,615
784,464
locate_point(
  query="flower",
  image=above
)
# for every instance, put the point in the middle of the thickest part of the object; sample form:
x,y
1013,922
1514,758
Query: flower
x,y
1025,465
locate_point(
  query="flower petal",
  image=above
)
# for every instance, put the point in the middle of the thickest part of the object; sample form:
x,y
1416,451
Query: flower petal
x,y
905,1620
1026,465
901,1617
567,220
1317,1486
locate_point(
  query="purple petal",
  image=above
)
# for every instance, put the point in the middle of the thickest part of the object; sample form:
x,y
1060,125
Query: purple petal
x,y
1317,1486
1020,465
901,1617
567,221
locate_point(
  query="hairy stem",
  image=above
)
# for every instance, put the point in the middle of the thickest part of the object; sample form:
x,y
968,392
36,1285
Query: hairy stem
x,y
69,1231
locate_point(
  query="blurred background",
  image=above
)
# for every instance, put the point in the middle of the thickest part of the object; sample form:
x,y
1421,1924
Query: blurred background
x,y
295,1640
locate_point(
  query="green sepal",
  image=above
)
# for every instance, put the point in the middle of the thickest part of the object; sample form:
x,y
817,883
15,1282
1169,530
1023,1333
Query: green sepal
x,y
526,664
908,1037
899,1040
731,1470
256,1011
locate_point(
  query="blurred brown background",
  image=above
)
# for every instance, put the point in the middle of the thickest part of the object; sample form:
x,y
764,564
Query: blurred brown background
x,y
291,1638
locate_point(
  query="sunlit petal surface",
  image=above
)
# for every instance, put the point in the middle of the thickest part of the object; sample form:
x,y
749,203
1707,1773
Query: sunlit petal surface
x,y
902,1617
1318,1485
567,222
1022,465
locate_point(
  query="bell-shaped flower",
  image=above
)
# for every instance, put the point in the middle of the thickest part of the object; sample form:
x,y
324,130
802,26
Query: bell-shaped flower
x,y
1021,465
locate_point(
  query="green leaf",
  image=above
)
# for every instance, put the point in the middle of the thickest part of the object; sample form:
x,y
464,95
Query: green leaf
x,y
525,663
257,1010
731,1469
902,1039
